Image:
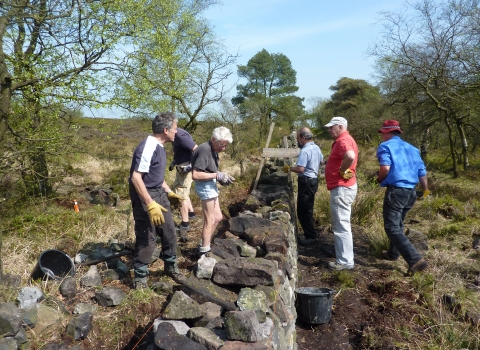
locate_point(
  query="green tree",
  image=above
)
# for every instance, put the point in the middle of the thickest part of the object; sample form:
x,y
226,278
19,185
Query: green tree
x,y
50,52
358,101
268,94
435,46
175,62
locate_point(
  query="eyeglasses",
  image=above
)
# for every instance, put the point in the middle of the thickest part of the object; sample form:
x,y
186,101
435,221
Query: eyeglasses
x,y
219,144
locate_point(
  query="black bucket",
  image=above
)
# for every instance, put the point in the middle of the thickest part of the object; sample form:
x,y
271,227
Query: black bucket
x,y
53,264
314,305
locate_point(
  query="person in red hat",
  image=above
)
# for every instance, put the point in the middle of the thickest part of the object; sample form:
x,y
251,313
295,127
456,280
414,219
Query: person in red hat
x,y
401,169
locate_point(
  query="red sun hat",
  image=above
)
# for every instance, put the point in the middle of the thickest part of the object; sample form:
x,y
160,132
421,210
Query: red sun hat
x,y
389,126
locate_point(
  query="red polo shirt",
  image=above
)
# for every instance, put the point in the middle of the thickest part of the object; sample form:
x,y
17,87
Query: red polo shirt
x,y
341,145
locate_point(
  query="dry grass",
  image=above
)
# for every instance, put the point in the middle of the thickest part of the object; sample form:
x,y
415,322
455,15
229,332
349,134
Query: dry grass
x,y
450,218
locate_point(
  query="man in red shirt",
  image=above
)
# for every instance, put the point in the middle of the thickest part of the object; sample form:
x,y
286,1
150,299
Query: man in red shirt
x,y
342,183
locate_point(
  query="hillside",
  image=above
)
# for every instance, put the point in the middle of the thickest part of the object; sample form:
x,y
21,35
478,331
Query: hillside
x,y
375,306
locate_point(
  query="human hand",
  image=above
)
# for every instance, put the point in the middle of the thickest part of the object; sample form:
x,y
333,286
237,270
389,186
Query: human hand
x,y
346,175
172,165
224,179
286,168
155,213
424,194
173,196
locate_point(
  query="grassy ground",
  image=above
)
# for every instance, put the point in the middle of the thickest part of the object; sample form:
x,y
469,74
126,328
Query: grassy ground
x,y
450,218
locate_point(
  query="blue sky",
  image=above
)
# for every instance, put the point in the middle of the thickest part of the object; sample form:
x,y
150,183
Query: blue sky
x,y
324,40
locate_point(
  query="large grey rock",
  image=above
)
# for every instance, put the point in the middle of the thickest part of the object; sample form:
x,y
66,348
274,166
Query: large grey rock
x,y
244,249
228,246
82,308
10,319
202,291
110,296
205,337
253,300
91,278
182,307
162,288
212,311
46,317
204,268
8,344
225,252
180,326
79,326
239,225
239,345
167,338
245,272
242,325
30,317
21,337
68,287
28,297
276,244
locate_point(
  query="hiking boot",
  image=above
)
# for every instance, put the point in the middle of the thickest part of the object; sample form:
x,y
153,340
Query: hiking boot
x,y
140,283
333,265
199,254
306,241
386,256
420,265
171,270
183,233
192,216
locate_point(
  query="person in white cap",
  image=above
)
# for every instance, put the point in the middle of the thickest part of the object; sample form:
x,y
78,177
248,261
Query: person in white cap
x,y
342,183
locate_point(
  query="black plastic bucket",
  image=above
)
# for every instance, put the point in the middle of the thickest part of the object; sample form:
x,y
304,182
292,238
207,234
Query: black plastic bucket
x,y
314,305
53,264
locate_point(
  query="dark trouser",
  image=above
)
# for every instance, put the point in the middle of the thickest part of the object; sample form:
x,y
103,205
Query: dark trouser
x,y
396,204
146,233
307,187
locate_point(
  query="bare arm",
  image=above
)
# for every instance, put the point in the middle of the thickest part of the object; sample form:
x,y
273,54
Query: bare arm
x,y
139,185
347,161
203,176
297,169
383,172
165,186
424,182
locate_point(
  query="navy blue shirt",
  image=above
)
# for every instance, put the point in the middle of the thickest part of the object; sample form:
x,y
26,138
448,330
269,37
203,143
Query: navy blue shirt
x,y
150,159
405,163
182,147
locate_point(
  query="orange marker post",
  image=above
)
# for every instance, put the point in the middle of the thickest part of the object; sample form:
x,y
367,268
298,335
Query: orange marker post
x,y
75,206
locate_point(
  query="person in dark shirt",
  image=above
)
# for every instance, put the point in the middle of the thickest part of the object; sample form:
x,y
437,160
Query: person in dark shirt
x,y
206,175
183,147
150,195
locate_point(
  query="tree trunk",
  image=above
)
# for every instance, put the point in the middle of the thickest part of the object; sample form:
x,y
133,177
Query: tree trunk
x,y
452,145
424,145
463,136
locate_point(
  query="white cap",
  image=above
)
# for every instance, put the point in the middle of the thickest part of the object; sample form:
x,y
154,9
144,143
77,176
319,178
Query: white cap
x,y
337,121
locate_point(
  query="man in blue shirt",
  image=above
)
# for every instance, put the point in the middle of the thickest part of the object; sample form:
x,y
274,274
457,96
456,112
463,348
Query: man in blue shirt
x,y
307,166
401,168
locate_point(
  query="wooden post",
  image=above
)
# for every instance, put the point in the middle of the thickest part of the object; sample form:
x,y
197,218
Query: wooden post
x,y
293,204
263,158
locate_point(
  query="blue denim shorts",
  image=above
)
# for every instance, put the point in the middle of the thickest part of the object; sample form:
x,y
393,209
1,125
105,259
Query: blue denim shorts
x,y
206,189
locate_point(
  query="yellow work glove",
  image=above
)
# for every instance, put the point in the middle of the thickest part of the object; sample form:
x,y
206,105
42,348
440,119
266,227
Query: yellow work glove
x,y
155,213
425,194
173,196
346,175
286,168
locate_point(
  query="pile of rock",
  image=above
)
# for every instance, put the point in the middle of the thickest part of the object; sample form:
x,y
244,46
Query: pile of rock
x,y
240,296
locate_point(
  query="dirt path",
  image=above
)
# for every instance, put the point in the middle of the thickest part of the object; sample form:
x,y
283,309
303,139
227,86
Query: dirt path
x,y
364,314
